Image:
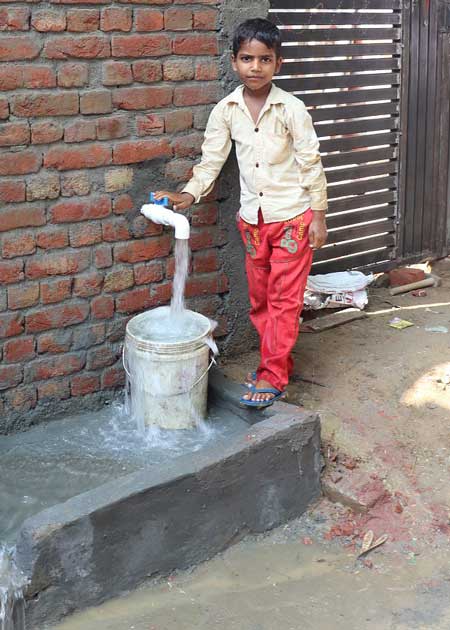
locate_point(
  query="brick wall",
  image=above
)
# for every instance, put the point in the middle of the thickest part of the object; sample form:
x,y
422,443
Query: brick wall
x,y
99,103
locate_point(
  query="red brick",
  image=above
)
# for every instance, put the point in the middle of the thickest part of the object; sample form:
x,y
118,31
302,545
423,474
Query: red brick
x,y
52,238
21,244
38,77
23,296
116,73
161,294
116,19
85,47
114,127
188,146
101,357
197,1
113,377
202,238
147,249
76,1
85,234
12,191
4,108
80,131
115,230
88,335
207,71
73,75
118,280
96,102
75,184
103,257
69,158
141,45
22,398
83,20
20,349
45,369
10,376
20,163
149,125
78,210
140,151
205,20
148,20
147,71
135,300
19,47
178,70
48,21
146,2
54,342
58,264
195,45
84,384
53,390
46,132
56,290
45,104
11,77
141,227
178,19
27,215
205,214
179,170
405,275
147,273
43,186
206,284
207,261
123,203
102,307
178,120
12,134
196,94
14,19
11,324
142,97
88,284
58,316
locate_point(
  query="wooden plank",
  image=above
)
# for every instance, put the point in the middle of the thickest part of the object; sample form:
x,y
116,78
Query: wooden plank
x,y
361,201
358,172
344,65
359,231
357,35
358,187
341,220
357,126
340,50
364,261
333,18
348,96
363,140
278,5
355,247
358,157
358,111
329,82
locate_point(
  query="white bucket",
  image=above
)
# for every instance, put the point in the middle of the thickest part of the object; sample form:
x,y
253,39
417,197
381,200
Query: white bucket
x,y
167,379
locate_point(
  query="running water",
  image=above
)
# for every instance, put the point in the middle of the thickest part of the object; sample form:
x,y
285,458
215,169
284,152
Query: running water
x,y
12,605
179,282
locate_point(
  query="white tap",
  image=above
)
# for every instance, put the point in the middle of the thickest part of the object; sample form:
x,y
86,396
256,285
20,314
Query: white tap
x,y
165,216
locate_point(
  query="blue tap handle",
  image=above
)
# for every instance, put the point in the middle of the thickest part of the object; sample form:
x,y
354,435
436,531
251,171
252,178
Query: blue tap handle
x,y
159,202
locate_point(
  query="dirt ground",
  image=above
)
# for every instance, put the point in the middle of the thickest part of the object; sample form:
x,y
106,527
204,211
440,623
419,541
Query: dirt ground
x,y
384,400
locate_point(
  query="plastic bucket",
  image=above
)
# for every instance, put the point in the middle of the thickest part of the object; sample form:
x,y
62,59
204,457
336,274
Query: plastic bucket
x,y
167,379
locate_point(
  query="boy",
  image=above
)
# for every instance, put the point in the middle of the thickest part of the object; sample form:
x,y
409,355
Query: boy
x,y
283,197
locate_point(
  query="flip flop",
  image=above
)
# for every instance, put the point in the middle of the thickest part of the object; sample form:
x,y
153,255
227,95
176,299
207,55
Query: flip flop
x,y
262,403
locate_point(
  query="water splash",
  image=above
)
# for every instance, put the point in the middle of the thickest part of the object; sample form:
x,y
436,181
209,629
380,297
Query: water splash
x,y
12,603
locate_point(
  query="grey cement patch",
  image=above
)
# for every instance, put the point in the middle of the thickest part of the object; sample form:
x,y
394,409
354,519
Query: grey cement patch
x,y
174,515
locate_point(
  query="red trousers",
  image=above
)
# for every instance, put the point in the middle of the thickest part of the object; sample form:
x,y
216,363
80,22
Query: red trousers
x,y
278,261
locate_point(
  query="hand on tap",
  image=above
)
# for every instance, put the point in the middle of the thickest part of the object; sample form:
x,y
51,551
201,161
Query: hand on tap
x,y
180,201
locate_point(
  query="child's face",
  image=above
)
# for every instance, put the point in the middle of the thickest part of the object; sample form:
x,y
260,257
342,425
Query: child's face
x,y
256,64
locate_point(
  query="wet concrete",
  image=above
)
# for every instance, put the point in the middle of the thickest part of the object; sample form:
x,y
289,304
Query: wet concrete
x,y
291,579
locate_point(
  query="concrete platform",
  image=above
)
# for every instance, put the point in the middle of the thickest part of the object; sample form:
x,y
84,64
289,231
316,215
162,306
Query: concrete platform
x,y
111,539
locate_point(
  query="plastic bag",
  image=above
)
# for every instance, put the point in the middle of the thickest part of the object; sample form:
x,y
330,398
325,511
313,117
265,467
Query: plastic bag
x,y
337,290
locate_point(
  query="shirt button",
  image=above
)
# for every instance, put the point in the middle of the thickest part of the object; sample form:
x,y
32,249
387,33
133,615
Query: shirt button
x,y
260,194
256,129
257,164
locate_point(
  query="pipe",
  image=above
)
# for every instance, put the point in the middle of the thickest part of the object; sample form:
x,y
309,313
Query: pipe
x,y
165,216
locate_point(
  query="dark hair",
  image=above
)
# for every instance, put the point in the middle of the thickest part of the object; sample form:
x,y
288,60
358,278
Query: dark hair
x,y
257,28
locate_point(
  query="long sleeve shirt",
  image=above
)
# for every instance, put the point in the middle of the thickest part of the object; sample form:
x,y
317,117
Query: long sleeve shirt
x,y
280,168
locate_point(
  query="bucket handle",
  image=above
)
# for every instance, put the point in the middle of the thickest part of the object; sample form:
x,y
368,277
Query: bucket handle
x,y
211,363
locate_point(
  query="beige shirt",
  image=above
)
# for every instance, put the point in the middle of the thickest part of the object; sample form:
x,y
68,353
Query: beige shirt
x,y
279,161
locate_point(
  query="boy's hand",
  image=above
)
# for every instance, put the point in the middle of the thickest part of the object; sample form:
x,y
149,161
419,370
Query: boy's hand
x,y
180,201
318,230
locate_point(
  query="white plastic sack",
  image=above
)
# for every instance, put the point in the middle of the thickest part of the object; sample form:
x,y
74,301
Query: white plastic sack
x,y
338,282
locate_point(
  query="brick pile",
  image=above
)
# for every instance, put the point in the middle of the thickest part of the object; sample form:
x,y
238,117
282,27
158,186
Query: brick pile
x,y
90,89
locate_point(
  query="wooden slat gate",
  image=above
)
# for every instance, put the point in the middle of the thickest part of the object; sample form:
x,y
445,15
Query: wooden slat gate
x,y
343,58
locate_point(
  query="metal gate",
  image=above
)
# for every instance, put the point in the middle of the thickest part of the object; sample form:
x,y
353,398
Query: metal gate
x,y
343,59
